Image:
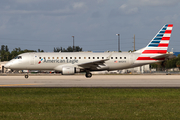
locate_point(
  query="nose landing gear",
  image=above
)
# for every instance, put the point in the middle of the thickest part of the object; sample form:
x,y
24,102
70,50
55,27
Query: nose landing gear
x,y
26,76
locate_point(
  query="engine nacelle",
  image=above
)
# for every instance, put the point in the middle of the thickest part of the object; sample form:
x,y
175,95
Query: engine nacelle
x,y
70,70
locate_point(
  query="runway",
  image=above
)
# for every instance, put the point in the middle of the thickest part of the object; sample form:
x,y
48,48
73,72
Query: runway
x,y
129,81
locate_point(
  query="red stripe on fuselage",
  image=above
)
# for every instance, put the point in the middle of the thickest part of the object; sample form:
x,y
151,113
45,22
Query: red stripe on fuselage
x,y
148,58
154,51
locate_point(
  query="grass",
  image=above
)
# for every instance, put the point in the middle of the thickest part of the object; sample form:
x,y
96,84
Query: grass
x,y
89,103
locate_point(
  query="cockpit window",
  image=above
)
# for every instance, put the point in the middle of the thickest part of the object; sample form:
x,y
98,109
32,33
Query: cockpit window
x,y
18,57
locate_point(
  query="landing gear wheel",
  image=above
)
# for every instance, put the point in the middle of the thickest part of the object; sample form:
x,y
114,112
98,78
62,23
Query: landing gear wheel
x,y
88,75
26,76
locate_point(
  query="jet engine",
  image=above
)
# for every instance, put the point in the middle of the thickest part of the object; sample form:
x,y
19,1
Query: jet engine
x,y
70,70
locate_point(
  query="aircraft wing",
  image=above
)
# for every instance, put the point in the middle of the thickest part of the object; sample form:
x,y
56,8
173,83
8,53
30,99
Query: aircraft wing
x,y
94,64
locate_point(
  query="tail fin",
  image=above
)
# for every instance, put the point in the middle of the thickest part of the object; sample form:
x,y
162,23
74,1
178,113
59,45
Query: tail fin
x,y
158,45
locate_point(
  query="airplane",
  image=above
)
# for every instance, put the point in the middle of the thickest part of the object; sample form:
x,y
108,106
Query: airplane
x,y
69,63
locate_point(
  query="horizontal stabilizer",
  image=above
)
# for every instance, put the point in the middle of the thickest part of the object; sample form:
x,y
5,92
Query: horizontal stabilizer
x,y
169,55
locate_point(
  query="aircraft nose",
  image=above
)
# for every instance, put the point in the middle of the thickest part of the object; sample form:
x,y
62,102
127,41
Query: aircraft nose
x,y
7,65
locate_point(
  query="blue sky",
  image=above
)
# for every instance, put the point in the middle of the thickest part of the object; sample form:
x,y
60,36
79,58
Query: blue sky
x,y
45,24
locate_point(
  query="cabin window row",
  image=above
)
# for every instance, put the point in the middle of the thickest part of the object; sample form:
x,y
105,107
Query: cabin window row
x,y
80,57
118,58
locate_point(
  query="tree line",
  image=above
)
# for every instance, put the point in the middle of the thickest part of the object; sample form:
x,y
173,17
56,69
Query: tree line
x,y
167,64
69,49
6,55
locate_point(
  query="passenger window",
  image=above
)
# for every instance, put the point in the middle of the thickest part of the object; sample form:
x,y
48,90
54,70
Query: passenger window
x,y
84,57
39,57
102,57
93,57
66,57
89,58
124,57
116,57
70,57
111,57
44,57
74,57
120,57
61,57
57,57
48,57
52,57
79,57
97,57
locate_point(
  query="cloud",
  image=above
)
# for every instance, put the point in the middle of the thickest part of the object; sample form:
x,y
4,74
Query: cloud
x,y
133,6
153,3
28,1
100,1
156,2
128,10
38,9
96,14
78,5
63,12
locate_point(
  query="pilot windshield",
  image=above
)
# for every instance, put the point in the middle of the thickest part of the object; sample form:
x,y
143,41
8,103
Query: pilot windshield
x,y
18,57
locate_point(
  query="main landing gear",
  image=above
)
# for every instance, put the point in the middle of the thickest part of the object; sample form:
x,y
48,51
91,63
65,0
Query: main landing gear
x,y
88,75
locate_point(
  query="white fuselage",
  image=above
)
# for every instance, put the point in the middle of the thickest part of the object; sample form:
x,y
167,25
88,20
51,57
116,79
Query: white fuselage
x,y
55,61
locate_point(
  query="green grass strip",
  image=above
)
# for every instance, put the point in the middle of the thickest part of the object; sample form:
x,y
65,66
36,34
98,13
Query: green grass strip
x,y
89,103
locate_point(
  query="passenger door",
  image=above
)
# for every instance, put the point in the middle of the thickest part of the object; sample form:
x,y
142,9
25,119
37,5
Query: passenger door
x,y
31,58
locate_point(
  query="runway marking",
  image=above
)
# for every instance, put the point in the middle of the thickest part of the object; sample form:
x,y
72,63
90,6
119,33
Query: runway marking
x,y
16,85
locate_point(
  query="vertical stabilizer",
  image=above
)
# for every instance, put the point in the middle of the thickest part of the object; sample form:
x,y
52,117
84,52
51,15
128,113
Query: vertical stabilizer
x,y
157,46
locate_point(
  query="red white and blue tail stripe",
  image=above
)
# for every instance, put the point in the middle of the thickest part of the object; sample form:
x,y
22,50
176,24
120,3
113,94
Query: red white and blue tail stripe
x,y
157,46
